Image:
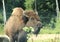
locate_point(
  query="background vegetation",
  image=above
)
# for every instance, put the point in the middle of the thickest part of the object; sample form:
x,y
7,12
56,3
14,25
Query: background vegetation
x,y
46,10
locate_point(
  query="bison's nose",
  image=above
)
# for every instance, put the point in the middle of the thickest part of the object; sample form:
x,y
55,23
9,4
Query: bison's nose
x,y
39,25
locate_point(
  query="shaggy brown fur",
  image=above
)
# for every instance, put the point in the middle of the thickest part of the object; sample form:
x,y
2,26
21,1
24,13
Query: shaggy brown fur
x,y
15,23
33,17
34,20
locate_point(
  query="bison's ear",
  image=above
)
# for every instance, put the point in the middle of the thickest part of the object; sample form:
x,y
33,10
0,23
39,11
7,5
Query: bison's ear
x,y
25,19
26,13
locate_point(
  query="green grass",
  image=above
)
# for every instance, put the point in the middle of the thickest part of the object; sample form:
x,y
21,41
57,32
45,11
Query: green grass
x,y
50,31
1,23
1,29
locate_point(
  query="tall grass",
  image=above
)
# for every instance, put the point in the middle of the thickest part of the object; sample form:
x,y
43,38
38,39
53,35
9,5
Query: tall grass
x,y
48,29
1,29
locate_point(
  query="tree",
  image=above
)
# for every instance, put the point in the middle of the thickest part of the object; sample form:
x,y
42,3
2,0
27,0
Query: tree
x,y
4,12
57,9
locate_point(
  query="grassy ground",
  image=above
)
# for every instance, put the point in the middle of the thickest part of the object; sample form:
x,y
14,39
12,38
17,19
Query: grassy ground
x,y
45,38
48,40
50,30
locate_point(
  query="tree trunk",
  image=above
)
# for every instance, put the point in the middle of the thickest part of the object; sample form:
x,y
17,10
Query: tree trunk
x,y
4,12
57,9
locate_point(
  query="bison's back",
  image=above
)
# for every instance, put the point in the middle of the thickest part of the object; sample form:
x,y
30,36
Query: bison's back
x,y
13,24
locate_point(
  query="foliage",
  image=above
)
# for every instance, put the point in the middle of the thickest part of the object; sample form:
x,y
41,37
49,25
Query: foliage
x,y
28,4
1,17
51,30
1,29
46,10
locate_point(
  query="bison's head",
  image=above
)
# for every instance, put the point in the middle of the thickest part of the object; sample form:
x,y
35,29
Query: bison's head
x,y
34,21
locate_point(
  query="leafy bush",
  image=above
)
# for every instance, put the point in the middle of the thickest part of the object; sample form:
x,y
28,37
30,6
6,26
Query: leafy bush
x,y
28,4
48,29
1,29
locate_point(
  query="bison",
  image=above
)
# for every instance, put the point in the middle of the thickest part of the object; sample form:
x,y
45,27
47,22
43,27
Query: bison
x,y
33,21
20,19
15,23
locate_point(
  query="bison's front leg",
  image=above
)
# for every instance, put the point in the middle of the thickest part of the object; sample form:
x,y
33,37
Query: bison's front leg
x,y
22,37
12,39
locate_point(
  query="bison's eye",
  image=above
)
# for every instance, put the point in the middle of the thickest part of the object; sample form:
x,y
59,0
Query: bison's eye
x,y
38,19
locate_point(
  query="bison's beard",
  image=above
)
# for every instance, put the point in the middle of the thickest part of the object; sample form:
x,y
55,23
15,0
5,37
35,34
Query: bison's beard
x,y
36,31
